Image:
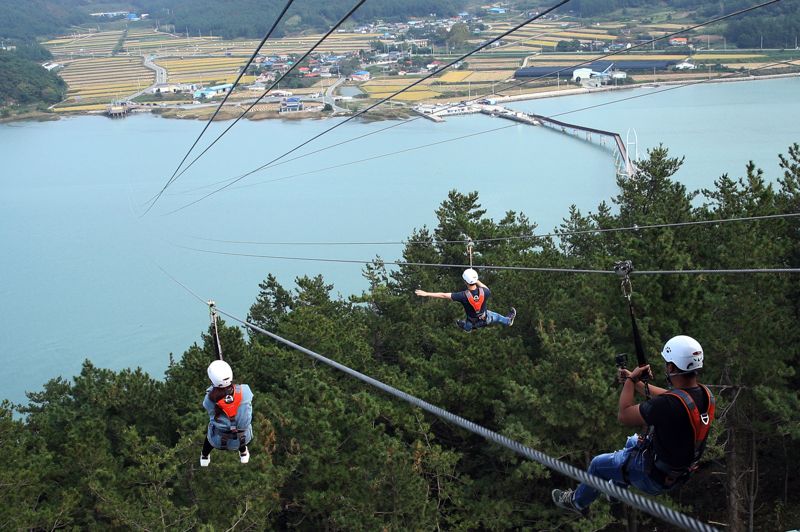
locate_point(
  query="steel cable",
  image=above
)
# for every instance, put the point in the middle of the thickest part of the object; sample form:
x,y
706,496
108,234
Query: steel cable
x,y
557,234
632,499
486,131
271,164
494,267
379,102
224,99
274,84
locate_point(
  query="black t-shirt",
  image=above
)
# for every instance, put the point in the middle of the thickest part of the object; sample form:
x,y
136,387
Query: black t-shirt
x,y
461,297
673,438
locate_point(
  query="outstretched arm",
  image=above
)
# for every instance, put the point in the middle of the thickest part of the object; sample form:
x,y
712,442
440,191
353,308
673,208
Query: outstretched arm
x,y
440,295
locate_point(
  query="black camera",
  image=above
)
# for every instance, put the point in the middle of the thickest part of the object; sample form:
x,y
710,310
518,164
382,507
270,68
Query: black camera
x,y
623,268
621,360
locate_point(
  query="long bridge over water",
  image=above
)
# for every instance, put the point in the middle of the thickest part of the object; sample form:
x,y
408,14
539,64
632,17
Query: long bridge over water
x,y
607,139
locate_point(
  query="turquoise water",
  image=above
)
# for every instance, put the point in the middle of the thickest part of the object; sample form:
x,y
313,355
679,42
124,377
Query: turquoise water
x,y
79,274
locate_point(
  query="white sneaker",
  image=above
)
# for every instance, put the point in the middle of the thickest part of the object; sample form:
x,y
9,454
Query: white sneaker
x,y
245,456
205,460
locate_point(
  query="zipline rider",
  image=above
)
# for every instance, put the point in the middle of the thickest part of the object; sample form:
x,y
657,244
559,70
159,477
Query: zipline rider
x,y
474,300
230,412
679,420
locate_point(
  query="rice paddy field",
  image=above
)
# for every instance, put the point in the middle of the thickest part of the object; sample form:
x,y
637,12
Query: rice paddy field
x,y
204,70
87,44
96,77
139,41
94,81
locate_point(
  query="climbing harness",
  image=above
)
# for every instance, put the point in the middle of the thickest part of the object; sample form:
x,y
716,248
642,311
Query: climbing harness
x,y
476,301
229,405
212,310
623,269
659,470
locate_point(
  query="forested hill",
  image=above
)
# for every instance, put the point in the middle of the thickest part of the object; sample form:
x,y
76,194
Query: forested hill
x,y
252,18
24,81
120,449
775,26
229,18
28,19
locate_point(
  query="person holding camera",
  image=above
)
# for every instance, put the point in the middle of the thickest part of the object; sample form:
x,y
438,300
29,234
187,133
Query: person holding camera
x,y
678,423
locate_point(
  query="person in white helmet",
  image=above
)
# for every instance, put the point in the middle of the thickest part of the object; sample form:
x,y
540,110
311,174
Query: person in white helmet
x,y
474,300
230,411
679,420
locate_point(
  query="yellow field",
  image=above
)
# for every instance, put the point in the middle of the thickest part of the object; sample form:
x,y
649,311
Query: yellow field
x,y
366,87
145,41
586,36
724,57
454,76
105,79
570,58
665,26
80,108
409,96
393,83
490,75
542,42
759,65
101,43
527,46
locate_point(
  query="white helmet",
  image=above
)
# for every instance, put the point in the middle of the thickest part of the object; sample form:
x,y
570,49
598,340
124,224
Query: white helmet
x,y
470,276
685,352
220,373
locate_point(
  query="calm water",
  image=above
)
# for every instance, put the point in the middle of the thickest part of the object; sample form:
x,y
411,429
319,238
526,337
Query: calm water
x,y
78,274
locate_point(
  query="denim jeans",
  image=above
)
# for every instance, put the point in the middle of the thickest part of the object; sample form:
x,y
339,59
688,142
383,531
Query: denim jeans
x,y
609,467
491,317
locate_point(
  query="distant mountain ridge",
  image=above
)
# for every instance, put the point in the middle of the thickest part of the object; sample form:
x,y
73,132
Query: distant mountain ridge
x,y
29,19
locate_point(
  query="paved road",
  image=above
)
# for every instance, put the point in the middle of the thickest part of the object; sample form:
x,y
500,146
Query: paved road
x,y
161,75
329,99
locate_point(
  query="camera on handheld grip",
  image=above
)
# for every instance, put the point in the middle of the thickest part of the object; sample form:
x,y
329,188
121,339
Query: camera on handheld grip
x,y
621,360
623,268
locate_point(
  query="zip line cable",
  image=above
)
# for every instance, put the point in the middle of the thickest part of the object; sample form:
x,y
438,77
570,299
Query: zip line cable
x,y
623,494
274,84
379,102
730,75
188,290
558,234
224,99
493,267
519,84
389,154
651,41
212,310
619,100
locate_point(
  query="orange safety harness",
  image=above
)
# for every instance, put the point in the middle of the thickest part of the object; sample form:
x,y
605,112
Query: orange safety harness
x,y
701,423
476,301
229,405
668,475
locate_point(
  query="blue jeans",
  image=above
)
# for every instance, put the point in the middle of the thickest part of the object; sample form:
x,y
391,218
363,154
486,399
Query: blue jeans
x,y
491,317
609,467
